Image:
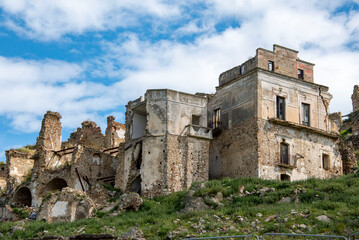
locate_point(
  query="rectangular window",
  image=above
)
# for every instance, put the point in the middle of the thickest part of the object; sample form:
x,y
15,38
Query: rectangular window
x,y
281,107
217,118
242,69
195,120
325,161
300,74
306,114
270,65
284,153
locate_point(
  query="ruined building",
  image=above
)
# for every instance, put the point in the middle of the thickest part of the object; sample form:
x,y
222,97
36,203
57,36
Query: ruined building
x,y
267,119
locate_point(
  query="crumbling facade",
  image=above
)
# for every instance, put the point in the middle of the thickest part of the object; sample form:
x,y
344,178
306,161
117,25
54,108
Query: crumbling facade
x,y
167,143
267,119
270,120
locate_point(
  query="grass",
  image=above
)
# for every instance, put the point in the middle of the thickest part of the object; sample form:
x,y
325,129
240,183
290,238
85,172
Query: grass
x,y
27,149
336,198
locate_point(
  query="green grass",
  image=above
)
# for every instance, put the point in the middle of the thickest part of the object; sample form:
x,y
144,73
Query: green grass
x,y
336,198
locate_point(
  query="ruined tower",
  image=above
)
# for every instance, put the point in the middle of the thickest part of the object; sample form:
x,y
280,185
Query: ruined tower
x,y
355,98
49,139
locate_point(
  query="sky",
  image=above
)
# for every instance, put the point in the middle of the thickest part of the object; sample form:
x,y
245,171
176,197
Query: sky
x,y
87,58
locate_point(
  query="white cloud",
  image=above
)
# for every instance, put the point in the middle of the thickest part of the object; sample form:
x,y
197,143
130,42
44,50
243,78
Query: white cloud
x,y
49,20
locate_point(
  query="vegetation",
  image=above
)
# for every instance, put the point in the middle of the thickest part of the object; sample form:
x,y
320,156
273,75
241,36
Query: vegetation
x,y
27,149
345,133
252,211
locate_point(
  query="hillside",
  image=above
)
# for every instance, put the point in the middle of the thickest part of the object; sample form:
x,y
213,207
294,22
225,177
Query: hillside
x,y
229,207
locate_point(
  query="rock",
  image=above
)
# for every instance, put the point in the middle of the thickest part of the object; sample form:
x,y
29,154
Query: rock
x,y
93,236
241,189
259,214
130,201
134,233
99,195
285,200
194,203
216,200
264,190
323,218
302,226
109,207
174,234
270,218
17,228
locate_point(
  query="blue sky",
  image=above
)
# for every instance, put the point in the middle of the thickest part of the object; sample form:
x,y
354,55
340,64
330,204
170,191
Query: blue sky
x,y
87,58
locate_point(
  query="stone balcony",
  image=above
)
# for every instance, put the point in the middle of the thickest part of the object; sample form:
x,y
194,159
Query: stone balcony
x,y
199,132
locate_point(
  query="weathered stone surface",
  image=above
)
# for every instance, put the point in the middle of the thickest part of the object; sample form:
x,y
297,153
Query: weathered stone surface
x,y
323,218
130,201
133,234
355,98
67,205
194,203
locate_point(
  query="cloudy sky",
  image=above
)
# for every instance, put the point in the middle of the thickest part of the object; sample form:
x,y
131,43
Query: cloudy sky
x,y
87,58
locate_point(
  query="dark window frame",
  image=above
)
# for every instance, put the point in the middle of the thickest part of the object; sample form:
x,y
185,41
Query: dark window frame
x,y
196,120
216,118
325,161
280,107
270,66
284,153
306,114
300,74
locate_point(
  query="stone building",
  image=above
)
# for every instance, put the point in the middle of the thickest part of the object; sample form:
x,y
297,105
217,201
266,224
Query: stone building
x,y
88,157
267,119
270,120
167,143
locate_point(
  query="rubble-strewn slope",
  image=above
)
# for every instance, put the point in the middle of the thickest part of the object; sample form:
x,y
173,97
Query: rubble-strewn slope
x,y
229,206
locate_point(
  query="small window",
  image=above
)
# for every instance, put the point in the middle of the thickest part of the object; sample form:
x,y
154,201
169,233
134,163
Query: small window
x,y
325,161
284,153
2,169
300,74
242,69
284,177
195,120
216,118
281,107
270,65
306,114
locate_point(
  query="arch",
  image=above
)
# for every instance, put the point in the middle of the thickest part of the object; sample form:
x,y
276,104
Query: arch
x,y
55,184
23,197
284,177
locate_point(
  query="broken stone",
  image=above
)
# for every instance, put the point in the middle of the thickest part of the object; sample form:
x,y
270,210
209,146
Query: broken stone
x,y
270,218
323,218
134,233
284,200
131,201
194,203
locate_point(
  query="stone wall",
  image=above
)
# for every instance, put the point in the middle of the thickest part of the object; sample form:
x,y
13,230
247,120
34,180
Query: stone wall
x,y
3,176
18,166
115,133
88,135
306,148
234,152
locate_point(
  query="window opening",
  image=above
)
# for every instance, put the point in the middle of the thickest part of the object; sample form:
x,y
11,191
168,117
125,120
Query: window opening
x,y
284,153
281,107
217,118
325,161
195,120
300,74
306,114
242,69
284,177
270,65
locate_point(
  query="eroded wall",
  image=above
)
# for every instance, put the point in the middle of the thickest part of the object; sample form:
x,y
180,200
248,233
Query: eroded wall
x,y
234,153
306,149
295,94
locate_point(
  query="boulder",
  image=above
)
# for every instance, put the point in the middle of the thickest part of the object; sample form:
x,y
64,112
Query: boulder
x,y
131,201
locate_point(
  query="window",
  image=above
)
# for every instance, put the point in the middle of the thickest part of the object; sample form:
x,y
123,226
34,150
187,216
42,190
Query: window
x,y
216,118
284,153
284,177
281,107
325,161
306,114
195,120
270,65
242,69
300,74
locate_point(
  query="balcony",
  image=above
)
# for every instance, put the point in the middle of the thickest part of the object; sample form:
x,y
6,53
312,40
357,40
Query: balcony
x,y
199,132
